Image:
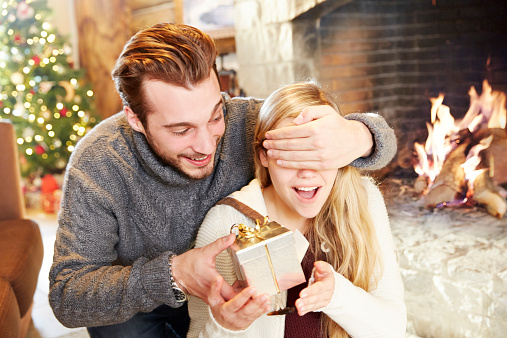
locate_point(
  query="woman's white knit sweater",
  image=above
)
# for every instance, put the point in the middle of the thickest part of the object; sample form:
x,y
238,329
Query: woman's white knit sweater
x,y
379,313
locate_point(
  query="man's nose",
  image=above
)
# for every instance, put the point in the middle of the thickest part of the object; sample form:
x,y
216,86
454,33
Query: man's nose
x,y
204,143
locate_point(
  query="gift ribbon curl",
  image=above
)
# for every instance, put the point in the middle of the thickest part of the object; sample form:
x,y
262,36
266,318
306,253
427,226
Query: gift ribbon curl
x,y
248,232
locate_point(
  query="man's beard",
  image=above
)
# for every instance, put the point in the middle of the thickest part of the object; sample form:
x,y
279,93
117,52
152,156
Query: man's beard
x,y
176,164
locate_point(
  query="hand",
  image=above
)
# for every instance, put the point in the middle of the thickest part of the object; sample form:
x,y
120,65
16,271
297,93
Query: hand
x,y
239,312
195,270
319,294
321,139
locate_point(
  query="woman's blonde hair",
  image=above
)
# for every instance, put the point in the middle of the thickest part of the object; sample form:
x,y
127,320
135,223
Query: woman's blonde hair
x,y
343,233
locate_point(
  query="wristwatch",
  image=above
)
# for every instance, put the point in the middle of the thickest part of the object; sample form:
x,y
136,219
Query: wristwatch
x,y
179,295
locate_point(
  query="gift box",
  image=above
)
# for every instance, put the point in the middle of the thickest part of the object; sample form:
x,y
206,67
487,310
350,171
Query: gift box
x,y
265,257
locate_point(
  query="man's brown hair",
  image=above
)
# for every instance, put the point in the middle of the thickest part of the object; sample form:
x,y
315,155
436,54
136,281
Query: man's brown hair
x,y
177,54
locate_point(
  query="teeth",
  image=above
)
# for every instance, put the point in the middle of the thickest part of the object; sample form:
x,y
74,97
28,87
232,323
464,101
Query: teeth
x,y
306,188
199,159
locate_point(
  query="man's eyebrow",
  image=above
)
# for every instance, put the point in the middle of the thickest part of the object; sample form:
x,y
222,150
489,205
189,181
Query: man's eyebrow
x,y
190,124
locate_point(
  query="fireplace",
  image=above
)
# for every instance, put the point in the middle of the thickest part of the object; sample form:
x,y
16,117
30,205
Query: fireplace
x,y
392,57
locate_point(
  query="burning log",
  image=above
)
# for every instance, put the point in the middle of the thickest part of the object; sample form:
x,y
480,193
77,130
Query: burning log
x,y
421,184
485,193
450,182
496,156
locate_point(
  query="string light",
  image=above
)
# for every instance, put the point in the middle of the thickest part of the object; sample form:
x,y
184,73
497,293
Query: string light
x,y
29,151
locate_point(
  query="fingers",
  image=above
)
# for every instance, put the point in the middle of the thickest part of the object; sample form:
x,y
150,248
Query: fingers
x,y
319,294
312,113
213,249
322,269
228,291
301,131
214,296
242,310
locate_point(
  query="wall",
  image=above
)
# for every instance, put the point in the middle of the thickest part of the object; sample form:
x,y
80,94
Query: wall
x,y
382,56
390,56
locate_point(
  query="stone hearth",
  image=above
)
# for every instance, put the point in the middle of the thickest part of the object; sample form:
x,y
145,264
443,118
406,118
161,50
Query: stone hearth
x,y
453,263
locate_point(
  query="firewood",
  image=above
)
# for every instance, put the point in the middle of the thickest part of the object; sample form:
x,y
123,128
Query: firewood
x,y
450,182
485,193
405,158
421,184
495,156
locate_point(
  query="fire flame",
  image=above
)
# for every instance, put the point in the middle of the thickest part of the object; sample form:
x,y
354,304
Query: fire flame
x,y
443,132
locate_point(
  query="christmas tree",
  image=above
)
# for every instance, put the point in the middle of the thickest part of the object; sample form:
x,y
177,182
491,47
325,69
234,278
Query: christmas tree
x,y
47,100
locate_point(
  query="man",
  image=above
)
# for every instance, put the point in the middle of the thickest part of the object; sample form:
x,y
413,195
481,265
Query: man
x,y
138,186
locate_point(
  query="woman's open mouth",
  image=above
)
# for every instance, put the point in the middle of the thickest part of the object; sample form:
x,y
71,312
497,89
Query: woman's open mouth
x,y
306,193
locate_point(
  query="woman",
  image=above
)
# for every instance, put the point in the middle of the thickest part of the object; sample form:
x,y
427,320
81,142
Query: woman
x,y
358,289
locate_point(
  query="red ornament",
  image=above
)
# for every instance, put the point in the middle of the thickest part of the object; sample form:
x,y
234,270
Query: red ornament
x,y
36,59
63,112
50,194
39,150
17,38
48,184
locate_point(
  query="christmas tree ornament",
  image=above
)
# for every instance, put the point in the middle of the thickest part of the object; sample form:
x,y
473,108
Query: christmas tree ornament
x,y
17,78
24,11
69,89
45,87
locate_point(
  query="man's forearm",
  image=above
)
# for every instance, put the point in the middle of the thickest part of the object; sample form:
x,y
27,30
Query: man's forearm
x,y
385,145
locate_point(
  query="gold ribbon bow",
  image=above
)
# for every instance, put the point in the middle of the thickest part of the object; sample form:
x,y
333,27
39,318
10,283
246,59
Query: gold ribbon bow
x,y
247,232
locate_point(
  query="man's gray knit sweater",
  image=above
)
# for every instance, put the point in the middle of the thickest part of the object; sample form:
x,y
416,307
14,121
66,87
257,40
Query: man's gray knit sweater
x,y
124,212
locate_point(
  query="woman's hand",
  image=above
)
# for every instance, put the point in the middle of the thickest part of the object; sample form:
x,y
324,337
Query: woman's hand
x,y
239,312
317,295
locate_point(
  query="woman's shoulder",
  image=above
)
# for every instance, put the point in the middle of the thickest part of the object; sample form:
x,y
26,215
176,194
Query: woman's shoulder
x,y
370,185
222,217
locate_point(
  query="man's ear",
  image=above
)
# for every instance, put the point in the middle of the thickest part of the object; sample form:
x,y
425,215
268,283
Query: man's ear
x,y
263,157
133,120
